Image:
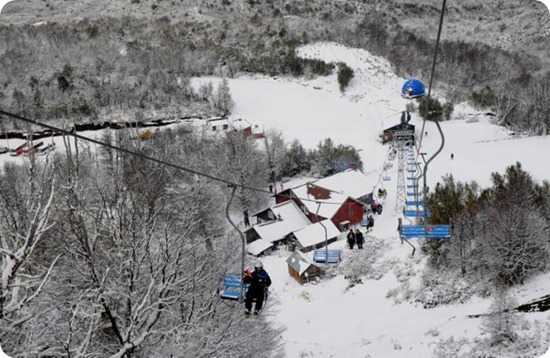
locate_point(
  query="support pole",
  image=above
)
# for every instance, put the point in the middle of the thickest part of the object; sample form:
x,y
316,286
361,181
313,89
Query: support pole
x,y
234,188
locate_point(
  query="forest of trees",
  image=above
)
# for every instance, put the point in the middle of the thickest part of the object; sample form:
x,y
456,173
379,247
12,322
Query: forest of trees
x,y
107,68
501,235
328,159
107,253
111,254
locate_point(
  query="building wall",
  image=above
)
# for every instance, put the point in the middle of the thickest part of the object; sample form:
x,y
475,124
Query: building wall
x,y
312,271
351,211
282,196
251,235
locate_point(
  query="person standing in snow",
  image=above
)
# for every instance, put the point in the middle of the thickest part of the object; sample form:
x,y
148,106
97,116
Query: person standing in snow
x,y
351,239
258,281
370,222
359,238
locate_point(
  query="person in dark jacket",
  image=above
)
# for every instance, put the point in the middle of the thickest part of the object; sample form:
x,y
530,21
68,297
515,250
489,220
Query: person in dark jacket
x,y
351,238
370,223
359,239
376,208
258,281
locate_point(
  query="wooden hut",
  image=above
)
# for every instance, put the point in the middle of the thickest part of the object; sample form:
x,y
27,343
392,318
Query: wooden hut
x,y
301,268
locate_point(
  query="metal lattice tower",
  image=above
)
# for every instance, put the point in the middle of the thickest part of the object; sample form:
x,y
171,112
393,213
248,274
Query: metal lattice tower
x,y
400,139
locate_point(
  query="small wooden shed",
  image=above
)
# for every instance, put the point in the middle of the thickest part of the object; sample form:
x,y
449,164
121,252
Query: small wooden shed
x,y
301,268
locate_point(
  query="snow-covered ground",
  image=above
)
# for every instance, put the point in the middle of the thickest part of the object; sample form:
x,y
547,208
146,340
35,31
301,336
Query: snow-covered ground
x,y
329,319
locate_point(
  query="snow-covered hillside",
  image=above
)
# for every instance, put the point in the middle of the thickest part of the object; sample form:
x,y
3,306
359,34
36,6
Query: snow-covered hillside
x,y
374,318
329,319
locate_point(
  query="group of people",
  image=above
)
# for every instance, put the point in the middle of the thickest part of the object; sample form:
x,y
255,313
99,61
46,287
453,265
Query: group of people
x,y
355,238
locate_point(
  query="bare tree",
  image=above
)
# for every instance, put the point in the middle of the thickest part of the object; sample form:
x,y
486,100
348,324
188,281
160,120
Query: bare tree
x,y
245,165
26,197
505,103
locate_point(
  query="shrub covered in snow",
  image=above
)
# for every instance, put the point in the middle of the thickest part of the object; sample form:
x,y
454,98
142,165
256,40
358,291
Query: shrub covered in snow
x,y
359,264
439,287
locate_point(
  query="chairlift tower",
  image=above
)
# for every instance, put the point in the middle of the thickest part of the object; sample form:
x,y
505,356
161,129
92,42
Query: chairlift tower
x,y
400,139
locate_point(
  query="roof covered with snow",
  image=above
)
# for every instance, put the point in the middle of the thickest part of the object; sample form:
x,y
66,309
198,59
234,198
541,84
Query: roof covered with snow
x,y
299,262
291,219
327,208
291,214
240,124
315,233
257,247
350,182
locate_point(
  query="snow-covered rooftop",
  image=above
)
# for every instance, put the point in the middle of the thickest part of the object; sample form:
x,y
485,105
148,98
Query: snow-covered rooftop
x,y
240,124
350,182
291,219
299,262
257,247
327,208
273,230
289,212
315,233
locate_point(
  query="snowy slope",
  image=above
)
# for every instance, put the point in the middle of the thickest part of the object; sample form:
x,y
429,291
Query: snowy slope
x,y
328,319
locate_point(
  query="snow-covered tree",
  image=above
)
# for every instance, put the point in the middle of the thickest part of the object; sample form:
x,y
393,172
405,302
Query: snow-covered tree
x,y
26,197
136,277
222,99
244,164
325,157
294,161
502,321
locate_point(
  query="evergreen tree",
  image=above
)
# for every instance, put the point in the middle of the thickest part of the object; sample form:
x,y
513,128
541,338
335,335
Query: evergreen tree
x,y
223,102
345,75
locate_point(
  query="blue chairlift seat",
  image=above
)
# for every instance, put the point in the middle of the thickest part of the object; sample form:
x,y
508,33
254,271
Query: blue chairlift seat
x,y
412,186
320,256
427,232
414,202
417,213
386,178
232,287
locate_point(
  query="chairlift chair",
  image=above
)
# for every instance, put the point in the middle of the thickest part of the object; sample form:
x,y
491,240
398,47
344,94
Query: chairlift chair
x,y
231,287
425,231
320,256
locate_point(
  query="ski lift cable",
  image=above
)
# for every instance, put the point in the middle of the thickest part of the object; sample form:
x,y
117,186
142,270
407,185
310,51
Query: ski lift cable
x,y
424,172
432,73
158,161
